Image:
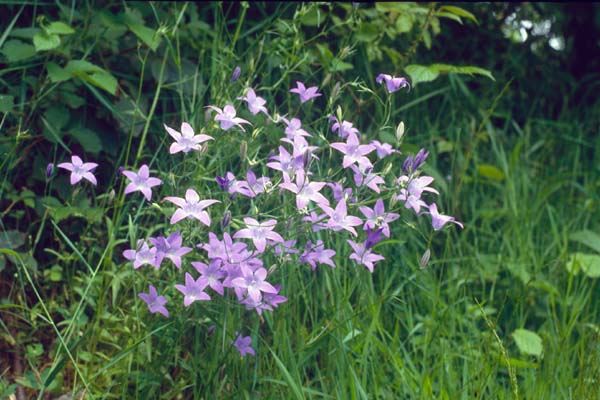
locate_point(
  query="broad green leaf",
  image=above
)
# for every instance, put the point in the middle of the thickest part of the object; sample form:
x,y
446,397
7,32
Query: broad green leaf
x,y
528,342
491,172
25,33
588,238
43,41
6,103
16,50
57,116
404,23
589,264
367,32
88,139
338,65
461,12
56,73
451,16
76,67
420,73
105,81
59,28
427,39
313,17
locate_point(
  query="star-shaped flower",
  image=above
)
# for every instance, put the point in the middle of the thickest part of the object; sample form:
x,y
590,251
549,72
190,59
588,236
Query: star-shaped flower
x,y
305,191
362,255
378,218
259,233
439,220
392,83
354,152
339,218
143,254
193,290
191,207
187,140
242,344
256,104
227,118
170,248
142,181
304,93
156,303
80,170
253,282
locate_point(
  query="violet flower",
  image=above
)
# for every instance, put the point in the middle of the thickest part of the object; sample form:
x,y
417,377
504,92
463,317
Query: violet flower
x,y
256,104
344,128
186,140
354,152
193,290
392,83
362,255
170,248
253,282
142,182
378,218
80,170
339,218
439,220
236,74
383,149
305,191
317,253
226,117
141,255
155,303
191,207
211,274
242,344
259,233
304,93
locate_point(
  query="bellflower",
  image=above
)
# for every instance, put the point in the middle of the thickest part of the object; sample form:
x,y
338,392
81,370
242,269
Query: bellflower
x,y
305,191
233,186
142,182
80,170
365,176
193,290
362,255
285,162
256,104
257,186
170,248
339,218
259,233
343,129
211,274
142,255
304,93
226,117
186,140
383,149
156,303
253,282
294,128
317,253
242,344
354,152
191,207
392,83
378,218
439,220
268,302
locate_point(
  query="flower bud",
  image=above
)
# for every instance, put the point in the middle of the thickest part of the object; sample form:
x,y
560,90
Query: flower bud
x,y
236,74
49,170
425,259
400,132
226,219
243,150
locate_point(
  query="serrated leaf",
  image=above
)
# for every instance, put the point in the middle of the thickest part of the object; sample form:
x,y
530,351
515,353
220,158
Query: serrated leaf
x,y
16,50
56,73
88,139
528,342
420,73
589,264
587,238
6,103
461,12
59,28
491,172
44,42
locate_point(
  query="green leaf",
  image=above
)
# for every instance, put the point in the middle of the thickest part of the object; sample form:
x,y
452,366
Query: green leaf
x,y
59,28
467,70
420,73
528,342
6,103
404,23
105,81
16,50
461,12
43,41
338,65
77,67
491,172
56,73
313,17
135,23
93,74
589,264
450,16
57,116
12,239
587,238
367,32
88,139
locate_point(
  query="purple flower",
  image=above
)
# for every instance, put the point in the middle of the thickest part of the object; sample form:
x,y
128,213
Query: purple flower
x,y
410,165
236,74
411,194
383,149
234,186
170,248
317,253
305,191
294,128
253,282
364,176
227,117
193,290
392,83
141,182
49,170
142,255
343,129
80,170
211,274
339,218
191,207
256,104
155,302
315,219
268,302
362,255
439,220
187,140
286,247
259,185
354,152
242,344
305,94
259,233
378,218
285,162
339,192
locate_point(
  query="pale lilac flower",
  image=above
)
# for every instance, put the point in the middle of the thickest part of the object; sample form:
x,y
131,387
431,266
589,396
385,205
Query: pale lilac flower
x,y
339,192
155,302
211,274
365,176
383,149
362,255
142,181
236,74
227,118
317,253
316,221
268,302
439,220
305,191
191,207
354,152
392,83
304,93
259,185
256,104
186,140
253,282
339,218
193,290
142,255
170,248
234,186
294,128
378,218
415,187
343,129
242,344
80,170
286,247
259,233
285,162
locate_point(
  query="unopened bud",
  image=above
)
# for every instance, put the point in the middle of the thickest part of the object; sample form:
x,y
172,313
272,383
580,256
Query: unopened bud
x,y
338,113
111,195
236,74
335,90
243,149
226,219
400,132
49,170
425,259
